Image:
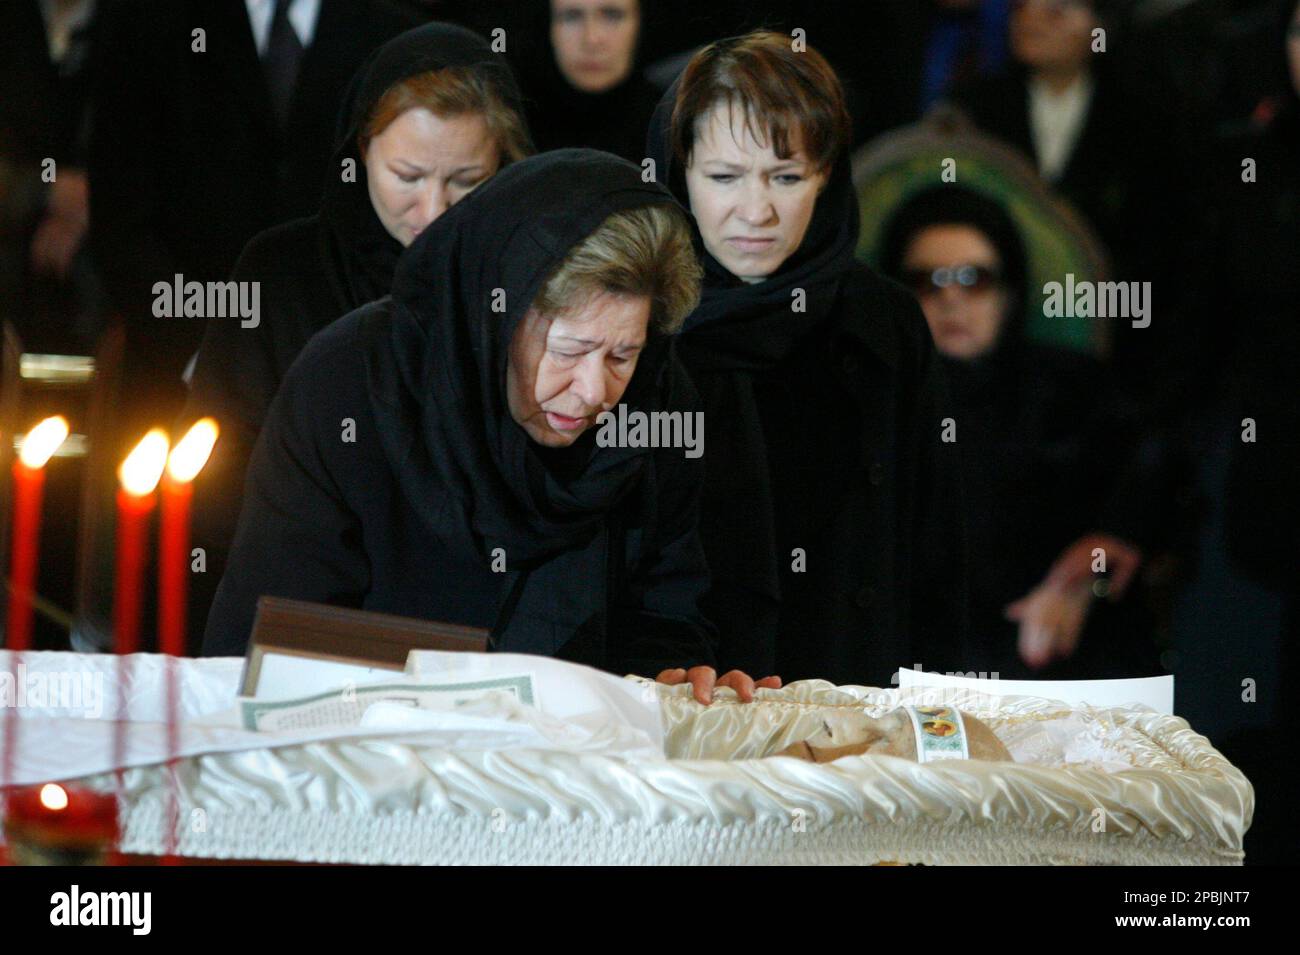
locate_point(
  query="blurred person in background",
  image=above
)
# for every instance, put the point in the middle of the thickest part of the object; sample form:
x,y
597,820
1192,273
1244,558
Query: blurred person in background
x,y
49,288
1045,478
587,88
1258,225
212,122
1098,140
966,39
1239,622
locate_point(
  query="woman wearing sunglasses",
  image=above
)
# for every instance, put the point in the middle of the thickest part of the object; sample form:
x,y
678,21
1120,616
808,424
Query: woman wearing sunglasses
x,y
1042,452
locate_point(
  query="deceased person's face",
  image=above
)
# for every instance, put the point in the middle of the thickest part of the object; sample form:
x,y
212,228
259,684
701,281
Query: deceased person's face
x,y
565,369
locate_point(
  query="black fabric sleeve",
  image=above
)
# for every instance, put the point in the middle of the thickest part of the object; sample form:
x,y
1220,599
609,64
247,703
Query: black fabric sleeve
x,y
939,608
655,620
296,537
1131,456
235,379
235,374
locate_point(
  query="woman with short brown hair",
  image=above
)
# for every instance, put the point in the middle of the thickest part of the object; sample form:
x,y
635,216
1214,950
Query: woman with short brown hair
x,y
831,517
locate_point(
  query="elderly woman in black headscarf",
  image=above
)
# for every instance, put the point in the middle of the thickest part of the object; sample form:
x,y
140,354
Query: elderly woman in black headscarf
x,y
434,454
433,114
831,519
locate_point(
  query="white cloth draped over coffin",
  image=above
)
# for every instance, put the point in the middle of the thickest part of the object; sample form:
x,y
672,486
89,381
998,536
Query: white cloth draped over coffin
x,y
500,782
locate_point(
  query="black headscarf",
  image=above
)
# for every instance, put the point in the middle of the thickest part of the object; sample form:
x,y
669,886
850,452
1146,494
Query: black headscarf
x,y
740,330
563,115
437,371
986,377
361,253
820,263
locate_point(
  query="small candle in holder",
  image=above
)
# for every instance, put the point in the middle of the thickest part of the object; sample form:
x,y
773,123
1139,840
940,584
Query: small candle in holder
x,y
60,824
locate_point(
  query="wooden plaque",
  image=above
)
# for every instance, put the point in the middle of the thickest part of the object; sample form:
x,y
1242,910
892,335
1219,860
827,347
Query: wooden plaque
x,y
344,635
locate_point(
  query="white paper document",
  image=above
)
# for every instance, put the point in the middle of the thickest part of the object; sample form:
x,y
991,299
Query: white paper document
x,y
1156,692
284,674
348,705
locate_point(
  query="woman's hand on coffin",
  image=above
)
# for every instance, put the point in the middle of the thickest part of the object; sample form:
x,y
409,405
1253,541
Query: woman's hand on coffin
x,y
704,679
1051,619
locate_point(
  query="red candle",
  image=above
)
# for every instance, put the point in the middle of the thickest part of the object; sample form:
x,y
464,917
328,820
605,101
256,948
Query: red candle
x,y
173,543
183,465
59,824
138,475
29,481
184,462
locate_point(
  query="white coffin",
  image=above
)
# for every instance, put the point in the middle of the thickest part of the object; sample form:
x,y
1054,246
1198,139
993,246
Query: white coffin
x,y
1123,785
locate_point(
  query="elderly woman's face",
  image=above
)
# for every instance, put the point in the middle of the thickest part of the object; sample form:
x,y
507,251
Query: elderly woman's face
x,y
422,164
752,207
1052,35
956,273
566,369
594,41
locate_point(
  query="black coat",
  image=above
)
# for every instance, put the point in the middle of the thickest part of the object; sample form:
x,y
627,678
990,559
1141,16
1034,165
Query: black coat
x,y
869,492
603,560
1047,459
186,162
239,369
1249,327
237,373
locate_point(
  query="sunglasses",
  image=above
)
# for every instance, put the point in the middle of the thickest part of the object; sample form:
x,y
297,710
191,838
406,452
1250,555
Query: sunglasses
x,y
970,278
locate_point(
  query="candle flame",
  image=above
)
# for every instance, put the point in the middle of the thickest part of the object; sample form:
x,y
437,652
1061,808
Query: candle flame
x,y
54,796
191,452
143,467
42,441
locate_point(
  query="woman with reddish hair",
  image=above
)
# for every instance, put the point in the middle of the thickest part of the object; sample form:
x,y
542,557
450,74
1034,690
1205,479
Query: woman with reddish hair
x,y
432,115
831,518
